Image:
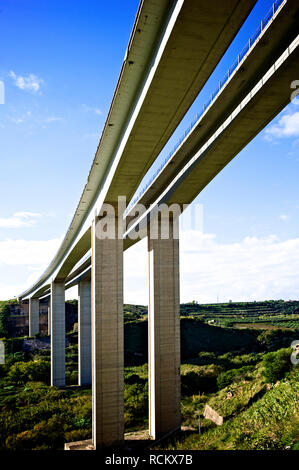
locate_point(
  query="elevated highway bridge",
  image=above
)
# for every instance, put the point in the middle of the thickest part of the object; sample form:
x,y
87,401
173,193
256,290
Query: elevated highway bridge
x,y
173,50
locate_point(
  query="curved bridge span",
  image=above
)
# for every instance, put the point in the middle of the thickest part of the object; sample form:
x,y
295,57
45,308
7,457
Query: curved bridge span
x,y
173,50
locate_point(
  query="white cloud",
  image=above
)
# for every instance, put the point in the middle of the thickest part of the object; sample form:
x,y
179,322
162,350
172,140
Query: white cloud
x,y
27,252
54,119
20,219
252,269
28,259
30,82
9,291
283,217
287,126
90,109
34,120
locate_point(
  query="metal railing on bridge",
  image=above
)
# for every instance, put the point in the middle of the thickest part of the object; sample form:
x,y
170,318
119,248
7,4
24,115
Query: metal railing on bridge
x,y
250,43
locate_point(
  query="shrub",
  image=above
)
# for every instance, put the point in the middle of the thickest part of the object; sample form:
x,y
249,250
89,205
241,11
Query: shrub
x,y
134,379
22,372
276,364
271,340
46,434
207,357
234,375
77,435
136,403
74,377
201,379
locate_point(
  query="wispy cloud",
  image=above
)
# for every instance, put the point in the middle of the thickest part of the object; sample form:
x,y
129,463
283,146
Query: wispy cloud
x,y
92,135
33,119
283,217
29,82
287,126
21,119
54,119
91,109
20,219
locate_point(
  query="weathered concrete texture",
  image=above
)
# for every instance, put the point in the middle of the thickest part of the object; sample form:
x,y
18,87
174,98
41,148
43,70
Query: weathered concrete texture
x,y
33,316
164,333
107,341
84,332
57,334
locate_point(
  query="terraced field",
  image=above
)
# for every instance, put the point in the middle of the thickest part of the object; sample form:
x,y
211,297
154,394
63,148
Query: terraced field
x,y
262,315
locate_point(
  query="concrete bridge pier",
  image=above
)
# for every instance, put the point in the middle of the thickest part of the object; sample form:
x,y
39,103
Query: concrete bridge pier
x,y
57,334
84,332
49,317
164,331
33,316
107,338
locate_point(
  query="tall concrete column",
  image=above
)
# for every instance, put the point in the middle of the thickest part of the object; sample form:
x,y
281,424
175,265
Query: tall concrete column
x,y
107,339
164,332
33,316
49,317
57,334
84,332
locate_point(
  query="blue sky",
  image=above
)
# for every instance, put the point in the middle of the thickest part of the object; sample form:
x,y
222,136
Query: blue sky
x,y
60,65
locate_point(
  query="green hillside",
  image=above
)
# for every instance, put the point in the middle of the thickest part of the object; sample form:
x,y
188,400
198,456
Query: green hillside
x,y
245,375
257,415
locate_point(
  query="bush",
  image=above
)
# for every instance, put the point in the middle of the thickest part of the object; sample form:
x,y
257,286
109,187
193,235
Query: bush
x,y
203,379
132,379
22,372
271,340
74,377
207,357
234,375
276,364
45,435
77,435
136,403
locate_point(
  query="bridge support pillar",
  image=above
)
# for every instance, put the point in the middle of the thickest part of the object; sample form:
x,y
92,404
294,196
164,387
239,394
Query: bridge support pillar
x,y
107,339
84,332
164,332
33,316
57,334
49,317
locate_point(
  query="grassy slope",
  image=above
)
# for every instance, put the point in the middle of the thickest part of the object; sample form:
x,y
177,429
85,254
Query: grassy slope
x,y
270,422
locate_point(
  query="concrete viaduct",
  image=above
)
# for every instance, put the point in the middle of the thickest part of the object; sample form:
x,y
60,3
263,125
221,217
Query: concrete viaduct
x,y
174,48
